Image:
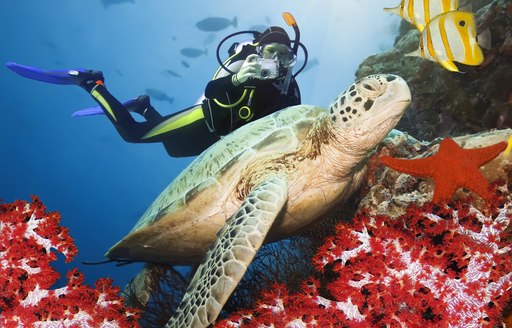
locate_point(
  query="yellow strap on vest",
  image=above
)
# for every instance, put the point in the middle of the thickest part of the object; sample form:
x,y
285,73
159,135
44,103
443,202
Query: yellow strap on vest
x,y
245,112
232,105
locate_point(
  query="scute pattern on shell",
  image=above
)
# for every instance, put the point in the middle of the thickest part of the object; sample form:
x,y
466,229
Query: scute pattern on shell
x,y
211,164
319,132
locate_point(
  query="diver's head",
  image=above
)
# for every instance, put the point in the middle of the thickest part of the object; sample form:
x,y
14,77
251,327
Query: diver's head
x,y
275,43
274,34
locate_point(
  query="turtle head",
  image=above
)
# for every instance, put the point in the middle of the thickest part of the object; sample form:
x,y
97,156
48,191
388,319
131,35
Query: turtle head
x,y
371,107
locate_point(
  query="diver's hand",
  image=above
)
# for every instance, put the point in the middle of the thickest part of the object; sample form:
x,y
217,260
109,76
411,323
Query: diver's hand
x,y
250,69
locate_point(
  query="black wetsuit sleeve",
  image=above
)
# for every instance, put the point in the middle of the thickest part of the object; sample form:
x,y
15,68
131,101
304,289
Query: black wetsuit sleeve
x,y
219,86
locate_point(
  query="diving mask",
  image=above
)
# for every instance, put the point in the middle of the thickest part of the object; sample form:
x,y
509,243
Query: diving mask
x,y
280,52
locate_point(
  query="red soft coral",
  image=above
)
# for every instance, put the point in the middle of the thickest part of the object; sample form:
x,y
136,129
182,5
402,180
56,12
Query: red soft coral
x,y
436,266
28,238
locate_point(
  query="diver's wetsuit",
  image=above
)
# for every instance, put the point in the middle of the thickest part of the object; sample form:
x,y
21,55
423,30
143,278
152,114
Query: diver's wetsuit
x,y
192,130
261,98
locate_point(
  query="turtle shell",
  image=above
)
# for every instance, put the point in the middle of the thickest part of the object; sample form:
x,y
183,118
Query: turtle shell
x,y
180,224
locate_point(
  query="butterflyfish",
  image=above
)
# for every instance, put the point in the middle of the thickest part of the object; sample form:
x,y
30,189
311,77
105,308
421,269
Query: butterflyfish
x,y
450,37
420,12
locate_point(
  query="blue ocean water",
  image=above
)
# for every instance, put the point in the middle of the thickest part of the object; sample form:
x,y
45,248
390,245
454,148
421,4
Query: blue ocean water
x,y
80,166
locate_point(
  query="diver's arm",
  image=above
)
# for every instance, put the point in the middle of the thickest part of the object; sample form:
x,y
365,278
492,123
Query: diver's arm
x,y
219,86
250,69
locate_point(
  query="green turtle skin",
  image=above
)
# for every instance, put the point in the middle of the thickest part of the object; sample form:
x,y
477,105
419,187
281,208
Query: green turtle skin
x,y
314,156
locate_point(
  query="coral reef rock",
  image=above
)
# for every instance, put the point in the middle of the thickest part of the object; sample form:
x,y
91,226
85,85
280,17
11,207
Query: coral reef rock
x,y
390,192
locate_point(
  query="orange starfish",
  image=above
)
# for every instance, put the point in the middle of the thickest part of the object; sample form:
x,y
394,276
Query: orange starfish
x,y
451,168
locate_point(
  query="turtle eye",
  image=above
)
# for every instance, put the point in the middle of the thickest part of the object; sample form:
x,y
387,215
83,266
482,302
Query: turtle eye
x,y
368,87
371,87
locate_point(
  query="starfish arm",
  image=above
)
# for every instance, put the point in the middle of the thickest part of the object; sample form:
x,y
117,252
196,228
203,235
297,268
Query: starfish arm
x,y
480,186
480,156
445,185
422,167
443,190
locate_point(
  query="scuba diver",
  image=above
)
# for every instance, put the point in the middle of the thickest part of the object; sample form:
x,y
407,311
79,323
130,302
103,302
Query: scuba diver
x,y
256,80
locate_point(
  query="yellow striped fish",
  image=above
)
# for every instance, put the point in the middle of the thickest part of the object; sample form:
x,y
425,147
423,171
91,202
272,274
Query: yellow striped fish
x,y
450,37
420,12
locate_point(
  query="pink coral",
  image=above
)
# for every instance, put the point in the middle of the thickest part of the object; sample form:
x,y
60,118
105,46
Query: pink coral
x,y
436,266
28,238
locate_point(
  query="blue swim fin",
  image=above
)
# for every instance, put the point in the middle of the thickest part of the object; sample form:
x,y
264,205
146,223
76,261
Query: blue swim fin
x,y
89,111
98,111
67,77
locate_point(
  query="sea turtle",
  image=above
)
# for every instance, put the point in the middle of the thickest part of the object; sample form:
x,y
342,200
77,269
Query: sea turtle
x,y
263,182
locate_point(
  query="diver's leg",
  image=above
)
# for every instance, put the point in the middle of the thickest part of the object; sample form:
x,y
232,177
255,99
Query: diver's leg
x,y
120,117
92,82
184,133
190,140
85,78
142,106
176,131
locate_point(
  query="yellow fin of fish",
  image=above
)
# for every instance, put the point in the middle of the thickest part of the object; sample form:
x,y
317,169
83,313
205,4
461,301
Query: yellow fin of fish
x,y
507,151
449,65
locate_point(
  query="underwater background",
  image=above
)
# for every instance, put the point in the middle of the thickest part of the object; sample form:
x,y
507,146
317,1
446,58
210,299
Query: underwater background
x,y
80,166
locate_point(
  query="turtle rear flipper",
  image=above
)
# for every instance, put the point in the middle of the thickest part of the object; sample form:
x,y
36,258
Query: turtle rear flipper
x,y
229,256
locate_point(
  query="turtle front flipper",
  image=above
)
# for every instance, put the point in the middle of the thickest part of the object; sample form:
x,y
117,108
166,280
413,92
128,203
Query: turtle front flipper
x,y
229,256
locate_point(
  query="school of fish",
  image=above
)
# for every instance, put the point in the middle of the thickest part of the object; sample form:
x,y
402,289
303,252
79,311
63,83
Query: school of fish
x,y
447,33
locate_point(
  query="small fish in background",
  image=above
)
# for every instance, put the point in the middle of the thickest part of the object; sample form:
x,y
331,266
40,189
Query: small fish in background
x,y
193,52
58,63
309,65
420,12
214,24
119,72
50,45
159,95
185,64
452,37
174,38
172,73
107,3
209,38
